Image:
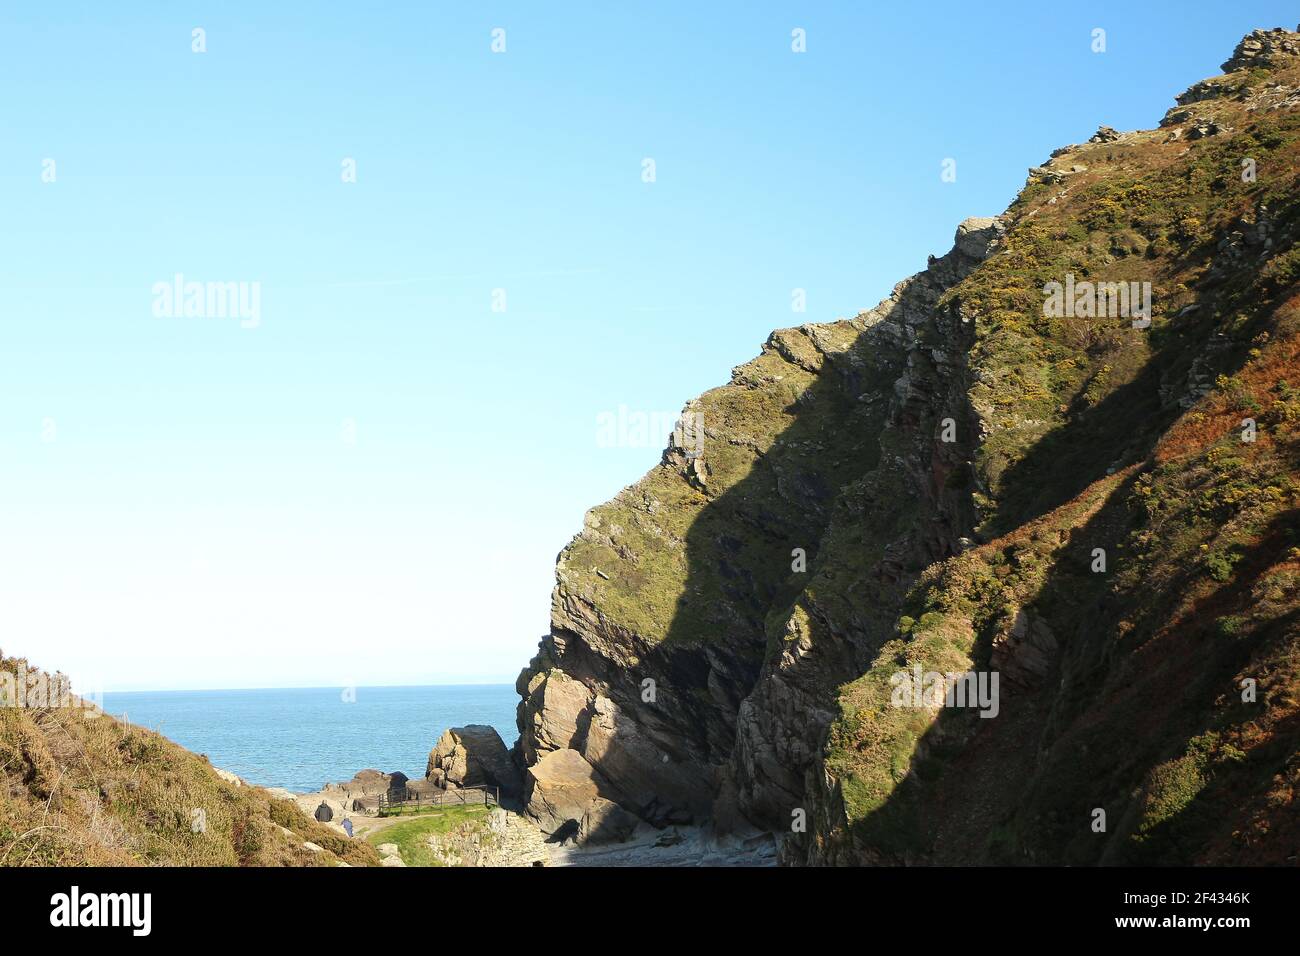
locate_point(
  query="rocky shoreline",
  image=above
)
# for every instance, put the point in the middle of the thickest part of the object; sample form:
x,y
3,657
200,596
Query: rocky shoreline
x,y
555,813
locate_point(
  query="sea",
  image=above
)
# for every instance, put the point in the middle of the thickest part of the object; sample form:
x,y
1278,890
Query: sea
x,y
303,738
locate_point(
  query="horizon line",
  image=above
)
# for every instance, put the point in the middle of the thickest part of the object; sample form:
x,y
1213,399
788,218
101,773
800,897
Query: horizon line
x,y
186,690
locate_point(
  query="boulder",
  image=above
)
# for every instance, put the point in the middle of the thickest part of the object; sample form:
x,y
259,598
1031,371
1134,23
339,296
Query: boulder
x,y
473,756
389,855
229,777
361,793
370,782
606,822
561,788
977,235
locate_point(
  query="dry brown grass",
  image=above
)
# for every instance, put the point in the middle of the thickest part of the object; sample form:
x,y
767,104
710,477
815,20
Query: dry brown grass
x,y
79,788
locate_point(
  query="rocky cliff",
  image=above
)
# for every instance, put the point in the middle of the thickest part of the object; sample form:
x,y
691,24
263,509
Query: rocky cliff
x,y
1063,456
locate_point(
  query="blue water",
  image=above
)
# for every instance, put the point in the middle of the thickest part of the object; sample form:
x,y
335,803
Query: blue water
x,y
303,738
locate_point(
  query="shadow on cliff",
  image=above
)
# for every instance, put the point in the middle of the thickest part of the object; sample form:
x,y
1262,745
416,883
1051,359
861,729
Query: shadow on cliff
x,y
1124,693
740,584
740,566
1089,733
755,548
669,759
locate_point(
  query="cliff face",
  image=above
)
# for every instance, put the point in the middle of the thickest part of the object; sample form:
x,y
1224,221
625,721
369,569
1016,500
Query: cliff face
x,y
676,593
966,479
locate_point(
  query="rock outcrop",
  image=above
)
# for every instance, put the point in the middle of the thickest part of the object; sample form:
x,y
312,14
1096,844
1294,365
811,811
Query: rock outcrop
x,y
473,756
362,792
1263,49
963,480
657,690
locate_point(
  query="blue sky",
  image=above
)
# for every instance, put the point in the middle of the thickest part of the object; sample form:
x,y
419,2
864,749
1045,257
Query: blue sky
x,y
370,486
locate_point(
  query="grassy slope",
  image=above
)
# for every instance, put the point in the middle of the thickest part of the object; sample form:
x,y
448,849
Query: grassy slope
x,y
81,790
1139,712
412,836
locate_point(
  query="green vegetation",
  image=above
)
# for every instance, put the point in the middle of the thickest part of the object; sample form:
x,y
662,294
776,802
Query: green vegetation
x,y
77,787
409,811
1123,687
412,836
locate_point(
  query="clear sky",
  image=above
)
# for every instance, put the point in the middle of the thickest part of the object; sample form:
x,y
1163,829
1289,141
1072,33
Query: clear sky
x,y
366,480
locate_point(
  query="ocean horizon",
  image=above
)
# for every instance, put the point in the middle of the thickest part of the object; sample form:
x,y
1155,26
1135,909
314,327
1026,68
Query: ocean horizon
x,y
301,738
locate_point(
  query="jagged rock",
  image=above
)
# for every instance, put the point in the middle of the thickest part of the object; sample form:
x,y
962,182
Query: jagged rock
x,y
1104,134
1046,174
977,235
473,756
1209,90
698,471
1262,48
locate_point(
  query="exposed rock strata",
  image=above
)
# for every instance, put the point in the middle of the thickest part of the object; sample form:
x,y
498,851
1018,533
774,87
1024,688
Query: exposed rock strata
x,y
562,788
656,706
920,486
